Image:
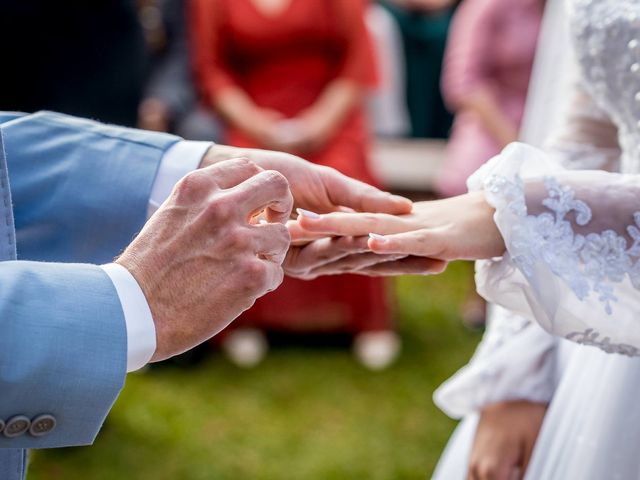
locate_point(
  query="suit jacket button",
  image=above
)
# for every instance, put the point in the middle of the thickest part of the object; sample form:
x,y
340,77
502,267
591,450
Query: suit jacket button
x,y
42,425
16,426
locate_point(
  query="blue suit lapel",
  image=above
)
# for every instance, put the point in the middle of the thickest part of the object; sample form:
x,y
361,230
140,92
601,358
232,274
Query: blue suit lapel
x,y
7,227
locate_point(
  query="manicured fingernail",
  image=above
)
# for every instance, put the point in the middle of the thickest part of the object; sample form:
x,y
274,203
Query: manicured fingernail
x,y
307,213
380,238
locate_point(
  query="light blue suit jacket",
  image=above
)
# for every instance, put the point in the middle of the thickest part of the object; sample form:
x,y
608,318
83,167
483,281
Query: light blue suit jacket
x,y
79,192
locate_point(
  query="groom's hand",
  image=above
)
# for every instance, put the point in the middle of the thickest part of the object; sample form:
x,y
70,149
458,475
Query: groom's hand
x,y
314,187
340,255
332,256
200,261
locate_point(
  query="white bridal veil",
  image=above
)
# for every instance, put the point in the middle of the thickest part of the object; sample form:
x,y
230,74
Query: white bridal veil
x,y
512,347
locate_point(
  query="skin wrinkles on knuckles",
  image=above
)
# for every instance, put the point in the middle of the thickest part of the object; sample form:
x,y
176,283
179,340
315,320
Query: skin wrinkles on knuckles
x,y
267,182
193,188
237,239
196,233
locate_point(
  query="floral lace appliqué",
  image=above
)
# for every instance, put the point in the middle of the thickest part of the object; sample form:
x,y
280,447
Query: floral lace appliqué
x,y
591,263
592,338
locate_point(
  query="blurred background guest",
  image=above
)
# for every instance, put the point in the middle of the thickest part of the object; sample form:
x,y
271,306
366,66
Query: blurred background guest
x,y
486,74
387,104
291,75
424,25
83,58
487,66
170,101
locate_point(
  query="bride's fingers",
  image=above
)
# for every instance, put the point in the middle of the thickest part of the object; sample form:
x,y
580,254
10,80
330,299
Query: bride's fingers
x,y
299,235
422,243
406,266
350,224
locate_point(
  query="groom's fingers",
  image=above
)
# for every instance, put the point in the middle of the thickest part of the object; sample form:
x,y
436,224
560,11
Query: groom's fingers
x,y
229,173
346,192
406,266
353,264
252,188
200,183
272,273
268,190
329,250
270,241
302,260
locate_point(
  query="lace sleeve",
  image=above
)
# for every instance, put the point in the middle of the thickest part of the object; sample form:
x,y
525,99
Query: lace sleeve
x,y
573,242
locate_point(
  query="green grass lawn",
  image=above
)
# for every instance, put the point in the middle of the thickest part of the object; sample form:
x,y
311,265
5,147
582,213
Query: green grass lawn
x,y
305,414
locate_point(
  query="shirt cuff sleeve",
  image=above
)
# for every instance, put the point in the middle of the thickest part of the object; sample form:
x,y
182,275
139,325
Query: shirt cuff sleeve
x,y
141,331
181,158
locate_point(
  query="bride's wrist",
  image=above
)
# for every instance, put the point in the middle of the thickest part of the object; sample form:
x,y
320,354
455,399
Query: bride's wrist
x,y
484,226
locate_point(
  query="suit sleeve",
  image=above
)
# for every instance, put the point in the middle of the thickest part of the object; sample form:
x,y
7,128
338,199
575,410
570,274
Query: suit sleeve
x,y
63,350
80,188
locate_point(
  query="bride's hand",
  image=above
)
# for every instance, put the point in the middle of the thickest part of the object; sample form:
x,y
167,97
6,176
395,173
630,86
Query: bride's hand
x,y
456,228
504,440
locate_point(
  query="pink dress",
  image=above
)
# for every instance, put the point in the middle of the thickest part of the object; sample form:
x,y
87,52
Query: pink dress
x,y
491,47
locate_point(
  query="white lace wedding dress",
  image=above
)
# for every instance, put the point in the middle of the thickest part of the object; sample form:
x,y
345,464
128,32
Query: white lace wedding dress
x,y
573,265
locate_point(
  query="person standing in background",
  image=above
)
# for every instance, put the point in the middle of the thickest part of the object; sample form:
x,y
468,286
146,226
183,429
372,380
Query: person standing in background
x,y
170,101
291,75
486,73
424,25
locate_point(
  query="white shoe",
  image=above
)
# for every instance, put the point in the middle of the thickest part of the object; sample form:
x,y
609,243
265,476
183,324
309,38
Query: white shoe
x,y
377,350
245,347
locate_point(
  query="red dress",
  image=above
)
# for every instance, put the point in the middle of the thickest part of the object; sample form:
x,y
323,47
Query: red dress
x,y
284,62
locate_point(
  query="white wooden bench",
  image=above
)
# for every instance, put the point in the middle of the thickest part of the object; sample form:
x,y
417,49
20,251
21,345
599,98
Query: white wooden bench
x,y
407,164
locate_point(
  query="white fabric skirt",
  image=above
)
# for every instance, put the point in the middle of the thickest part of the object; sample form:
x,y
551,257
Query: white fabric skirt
x,y
592,427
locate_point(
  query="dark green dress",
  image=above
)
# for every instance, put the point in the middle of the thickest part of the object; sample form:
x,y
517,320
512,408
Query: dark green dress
x,y
424,37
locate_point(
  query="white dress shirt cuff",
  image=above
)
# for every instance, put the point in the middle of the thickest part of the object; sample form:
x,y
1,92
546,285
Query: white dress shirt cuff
x,y
180,159
141,331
